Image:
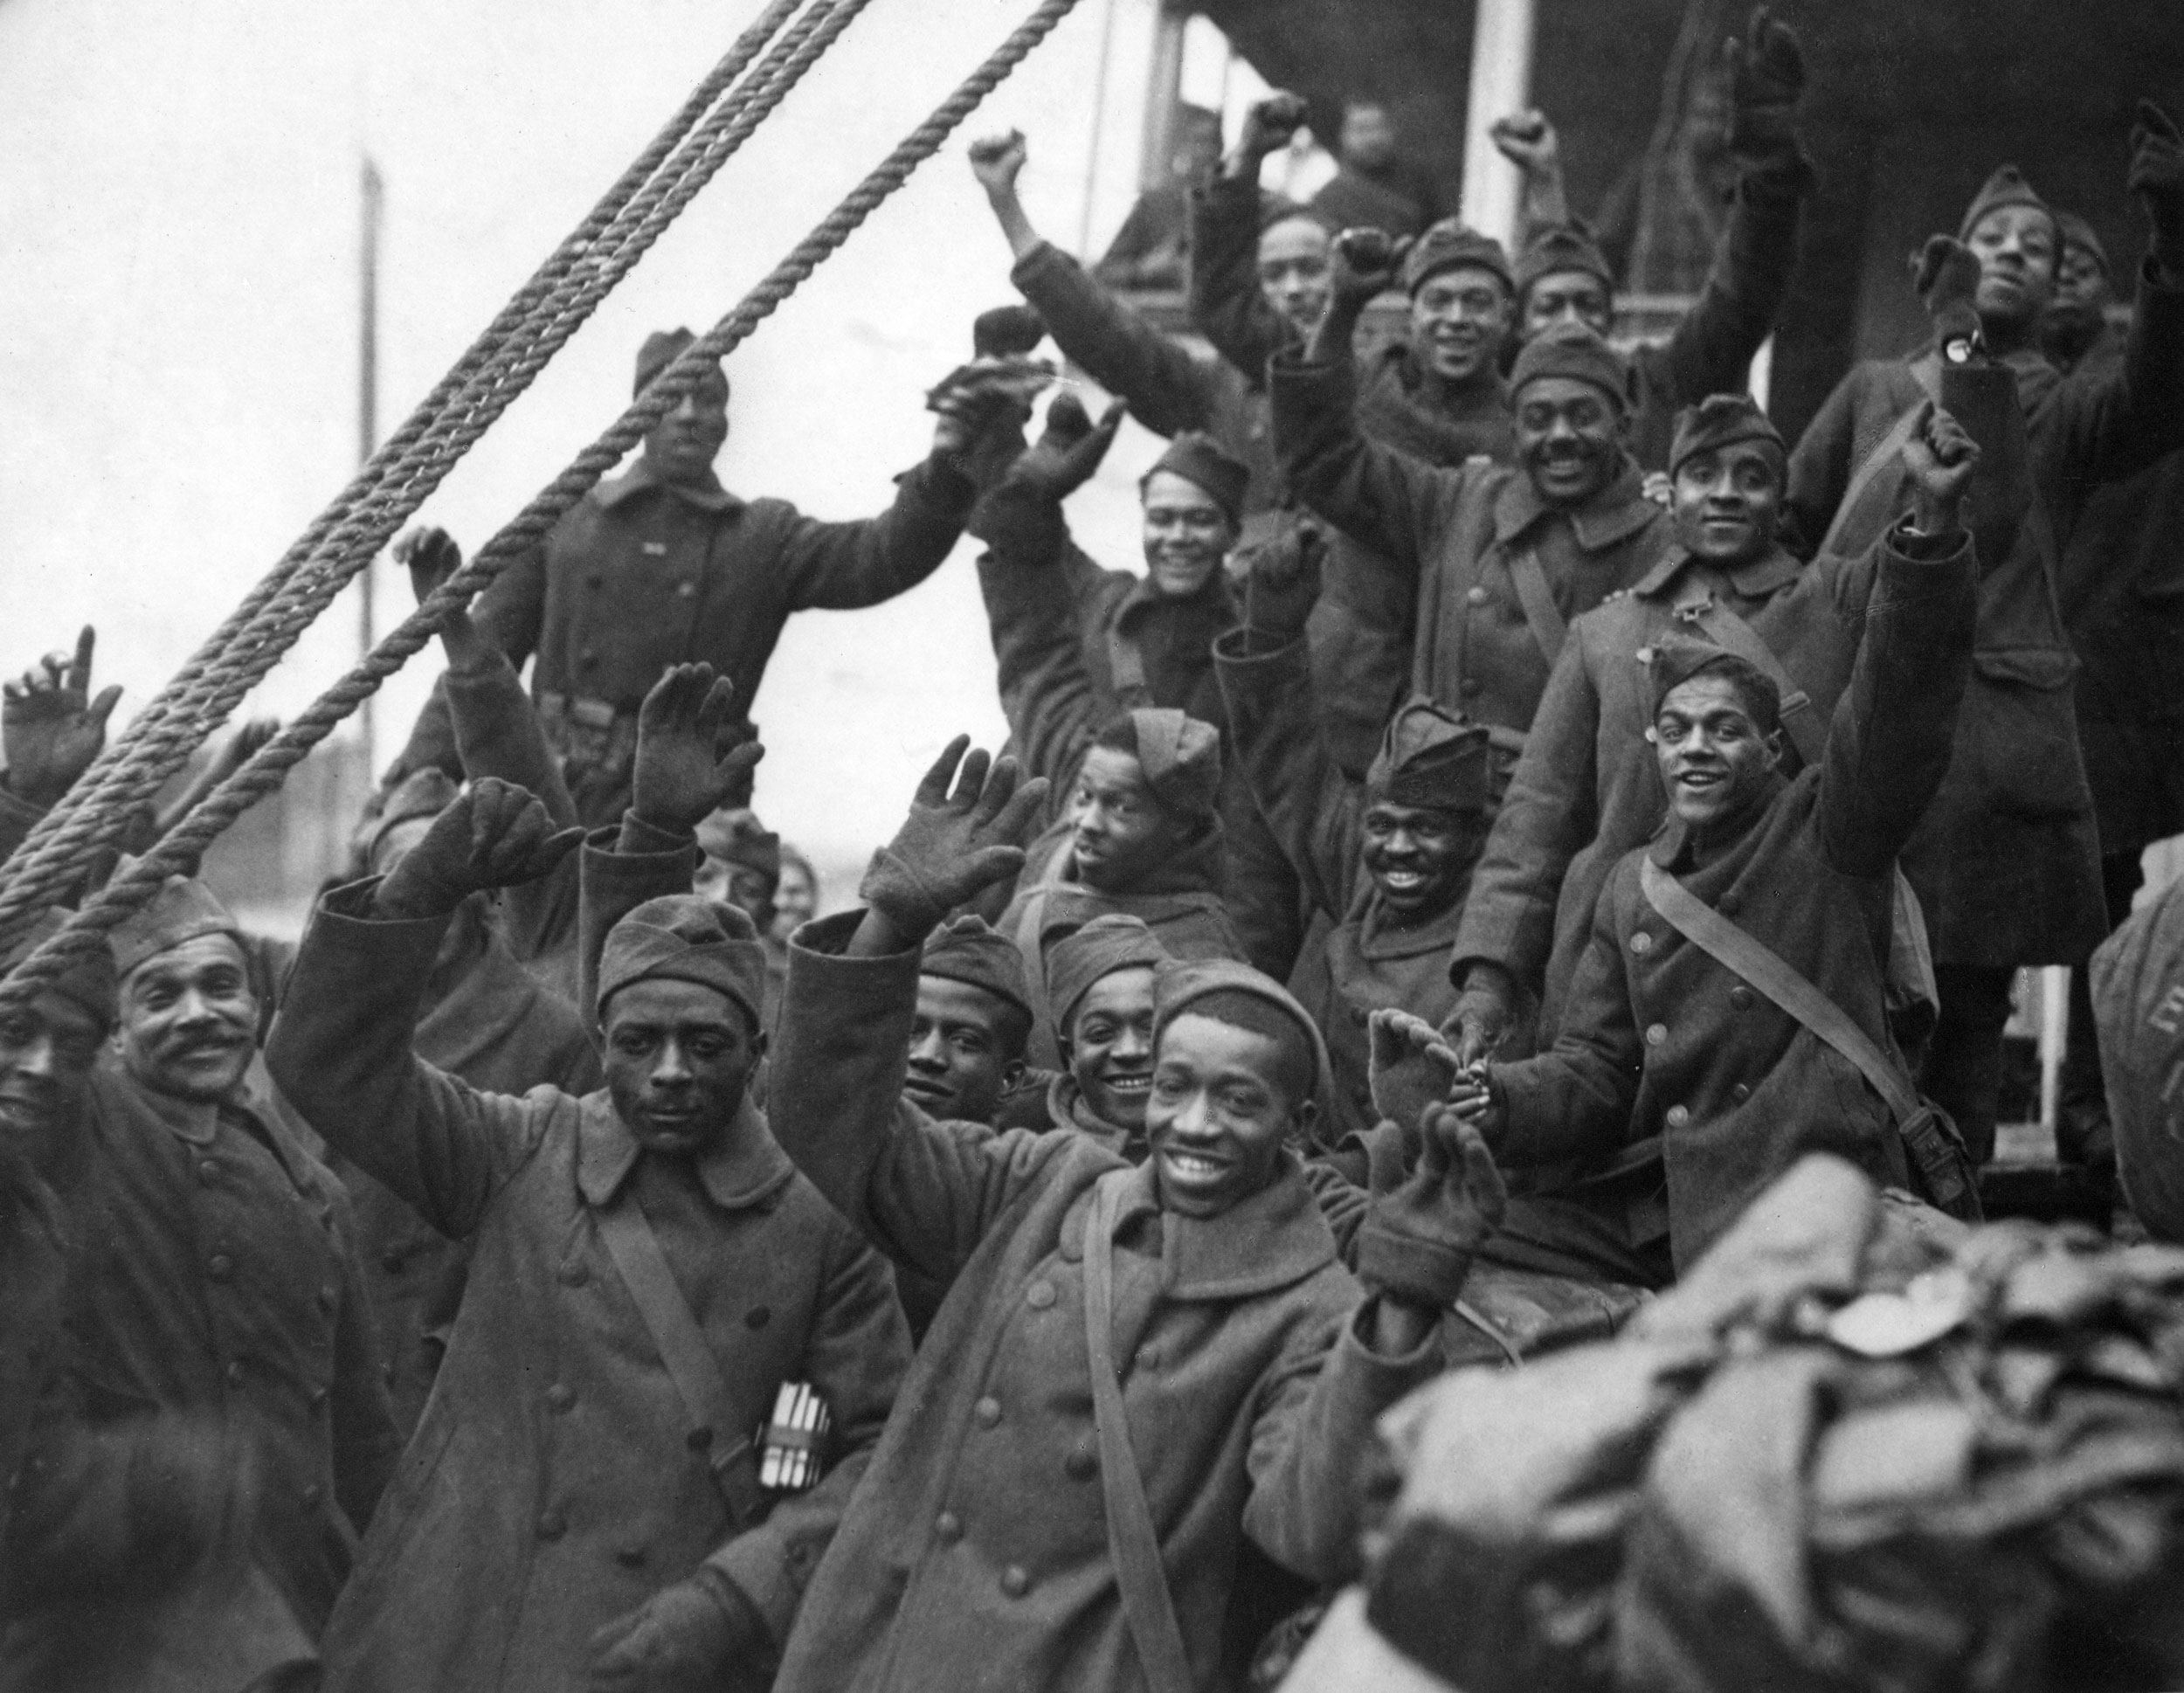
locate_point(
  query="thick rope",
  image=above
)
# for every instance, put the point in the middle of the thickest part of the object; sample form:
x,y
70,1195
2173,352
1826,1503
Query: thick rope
x,y
184,844
53,860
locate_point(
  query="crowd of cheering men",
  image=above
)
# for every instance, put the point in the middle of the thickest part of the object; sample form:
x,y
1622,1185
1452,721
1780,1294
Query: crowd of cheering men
x,y
1519,807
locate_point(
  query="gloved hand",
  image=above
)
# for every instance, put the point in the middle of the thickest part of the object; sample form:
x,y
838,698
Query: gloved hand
x,y
1416,1243
1012,331
1485,1013
1411,1069
1068,453
495,835
1767,72
51,727
974,399
1947,277
2157,178
691,758
1367,263
1284,583
952,845
702,1635
1270,123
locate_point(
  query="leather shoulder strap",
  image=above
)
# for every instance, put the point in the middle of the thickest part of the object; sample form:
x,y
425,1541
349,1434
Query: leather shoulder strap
x,y
684,1349
1132,1541
1731,633
1726,944
1879,460
1542,615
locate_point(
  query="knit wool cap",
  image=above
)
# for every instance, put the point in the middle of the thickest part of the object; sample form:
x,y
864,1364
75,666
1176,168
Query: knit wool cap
x,y
1721,420
424,793
2077,232
737,837
1429,758
1178,983
969,951
661,348
1181,758
1572,349
183,910
1198,458
89,979
681,937
1447,244
1676,659
2007,187
1561,247
1083,956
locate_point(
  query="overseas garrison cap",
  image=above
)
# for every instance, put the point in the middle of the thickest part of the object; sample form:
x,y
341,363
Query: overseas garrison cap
x,y
1181,757
969,951
2007,187
1678,659
661,348
1199,460
183,910
1447,244
1562,248
87,982
737,837
681,937
1718,421
1428,757
1178,984
1079,957
1573,350
2077,232
1006,332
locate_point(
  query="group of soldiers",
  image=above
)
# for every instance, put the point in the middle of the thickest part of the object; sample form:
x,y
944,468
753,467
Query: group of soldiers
x,y
1521,808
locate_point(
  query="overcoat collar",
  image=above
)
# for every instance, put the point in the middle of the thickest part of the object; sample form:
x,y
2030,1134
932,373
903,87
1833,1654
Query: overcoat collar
x,y
1676,850
708,496
1275,1239
1615,514
1068,1109
1759,579
745,1169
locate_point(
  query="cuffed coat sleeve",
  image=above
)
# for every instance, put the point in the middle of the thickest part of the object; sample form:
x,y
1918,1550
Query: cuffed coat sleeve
x,y
1380,497
1167,390
1227,307
1712,349
842,567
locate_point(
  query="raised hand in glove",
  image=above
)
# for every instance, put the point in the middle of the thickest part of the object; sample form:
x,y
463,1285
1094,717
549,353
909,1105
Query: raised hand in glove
x,y
2157,178
1068,451
51,726
987,394
1268,127
1412,1068
1766,77
1418,1240
693,756
1283,584
495,835
1947,277
701,1635
1366,264
961,837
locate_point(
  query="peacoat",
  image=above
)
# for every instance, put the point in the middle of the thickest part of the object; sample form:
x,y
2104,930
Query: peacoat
x,y
1588,787
1456,532
640,574
1354,961
2007,867
559,1479
1249,1393
1661,1044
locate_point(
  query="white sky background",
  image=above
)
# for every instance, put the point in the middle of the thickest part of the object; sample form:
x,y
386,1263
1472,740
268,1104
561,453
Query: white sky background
x,y
178,212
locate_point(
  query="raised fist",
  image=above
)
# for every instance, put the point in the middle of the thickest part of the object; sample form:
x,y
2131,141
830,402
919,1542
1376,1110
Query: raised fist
x,y
1939,458
1270,123
1527,140
1767,73
1947,277
2157,178
997,160
1367,263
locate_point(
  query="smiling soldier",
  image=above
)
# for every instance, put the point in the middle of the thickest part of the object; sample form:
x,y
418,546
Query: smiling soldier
x,y
1727,1015
1168,1357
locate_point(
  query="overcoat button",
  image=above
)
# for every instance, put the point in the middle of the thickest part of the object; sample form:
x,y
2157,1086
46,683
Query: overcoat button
x,y
1472,685
1040,1296
988,1411
1014,1582
235,1373
1741,1093
219,1267
1678,1115
1642,941
1080,1465
574,1275
312,1495
560,1396
948,1527
1477,595
1740,997
552,1525
1656,1034
208,1173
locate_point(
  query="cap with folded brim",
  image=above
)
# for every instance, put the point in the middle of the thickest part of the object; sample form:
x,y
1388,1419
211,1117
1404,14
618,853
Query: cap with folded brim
x,y
1432,759
88,981
681,937
1558,247
2007,187
1723,420
1573,350
1084,956
2077,232
1676,660
969,951
1181,757
737,837
1199,460
661,348
1179,984
1450,245
184,909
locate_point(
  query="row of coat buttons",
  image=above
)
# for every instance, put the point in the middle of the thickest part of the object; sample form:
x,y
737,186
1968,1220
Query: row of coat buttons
x,y
1016,1581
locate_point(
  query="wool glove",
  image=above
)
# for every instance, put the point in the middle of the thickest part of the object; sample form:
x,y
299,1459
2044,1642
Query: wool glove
x,y
701,1635
1411,1069
1946,277
2157,178
1766,79
954,843
1417,1242
1284,585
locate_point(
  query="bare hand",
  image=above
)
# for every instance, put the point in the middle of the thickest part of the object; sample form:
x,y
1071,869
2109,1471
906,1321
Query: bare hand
x,y
1270,123
1939,458
681,1640
431,556
997,160
1527,140
2157,178
495,835
51,727
1412,1067
692,754
1478,1103
959,839
1485,1013
986,393
1068,452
